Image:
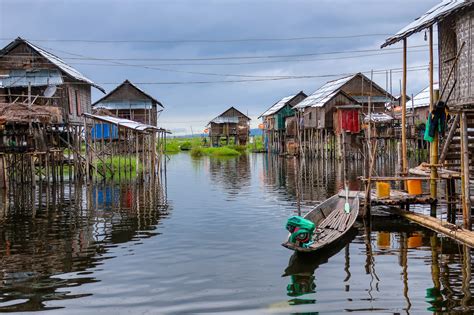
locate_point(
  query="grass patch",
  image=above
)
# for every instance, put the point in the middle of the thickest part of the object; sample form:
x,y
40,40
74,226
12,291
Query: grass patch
x,y
172,147
239,148
175,145
127,167
214,152
186,146
197,152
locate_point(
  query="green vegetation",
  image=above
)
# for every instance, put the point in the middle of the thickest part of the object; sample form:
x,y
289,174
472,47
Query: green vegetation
x,y
186,146
127,167
176,145
214,152
257,145
200,147
172,147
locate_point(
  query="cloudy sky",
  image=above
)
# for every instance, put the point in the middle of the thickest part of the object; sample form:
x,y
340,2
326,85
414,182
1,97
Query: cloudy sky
x,y
185,52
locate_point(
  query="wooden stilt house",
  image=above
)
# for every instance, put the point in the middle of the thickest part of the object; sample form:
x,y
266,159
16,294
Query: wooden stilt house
x,y
455,20
42,100
32,75
280,124
336,108
230,125
130,102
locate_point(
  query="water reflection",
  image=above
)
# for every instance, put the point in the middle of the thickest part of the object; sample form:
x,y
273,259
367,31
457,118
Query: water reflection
x,y
231,173
301,269
52,238
307,181
449,264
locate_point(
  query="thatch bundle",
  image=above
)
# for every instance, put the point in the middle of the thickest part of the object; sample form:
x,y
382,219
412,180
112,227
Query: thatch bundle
x,y
22,113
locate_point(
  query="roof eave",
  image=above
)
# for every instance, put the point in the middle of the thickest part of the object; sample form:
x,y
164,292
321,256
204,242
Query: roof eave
x,y
398,37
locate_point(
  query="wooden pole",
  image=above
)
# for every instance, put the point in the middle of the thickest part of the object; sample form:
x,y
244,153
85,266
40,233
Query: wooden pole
x,y
434,144
404,170
465,198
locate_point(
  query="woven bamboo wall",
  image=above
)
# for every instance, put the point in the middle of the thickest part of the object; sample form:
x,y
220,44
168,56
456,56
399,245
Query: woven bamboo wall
x,y
452,32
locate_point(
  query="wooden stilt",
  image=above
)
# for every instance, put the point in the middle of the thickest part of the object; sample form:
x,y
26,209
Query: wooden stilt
x,y
465,194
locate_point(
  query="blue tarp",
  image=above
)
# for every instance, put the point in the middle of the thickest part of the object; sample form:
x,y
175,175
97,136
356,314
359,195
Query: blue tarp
x,y
104,131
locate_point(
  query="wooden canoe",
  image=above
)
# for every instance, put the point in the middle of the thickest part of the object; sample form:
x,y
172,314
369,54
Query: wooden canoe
x,y
331,221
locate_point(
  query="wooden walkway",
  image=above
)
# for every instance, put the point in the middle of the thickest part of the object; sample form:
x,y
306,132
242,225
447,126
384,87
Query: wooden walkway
x,y
450,230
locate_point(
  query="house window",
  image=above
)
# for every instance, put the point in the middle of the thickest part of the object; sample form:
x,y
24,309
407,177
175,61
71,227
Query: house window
x,y
310,116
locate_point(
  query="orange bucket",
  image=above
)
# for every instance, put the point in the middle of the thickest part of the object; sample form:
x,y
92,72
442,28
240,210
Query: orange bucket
x,y
415,241
414,186
383,240
383,190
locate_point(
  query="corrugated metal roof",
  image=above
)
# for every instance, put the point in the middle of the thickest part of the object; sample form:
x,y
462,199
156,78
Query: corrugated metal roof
x,y
373,99
22,78
130,124
422,99
278,105
70,71
378,118
434,15
218,119
225,120
124,105
324,94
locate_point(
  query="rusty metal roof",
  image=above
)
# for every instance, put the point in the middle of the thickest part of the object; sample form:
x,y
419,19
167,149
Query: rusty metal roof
x,y
434,15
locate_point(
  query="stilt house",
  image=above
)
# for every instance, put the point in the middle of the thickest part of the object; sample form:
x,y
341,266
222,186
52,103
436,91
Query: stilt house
x,y
338,107
42,100
31,75
39,90
455,21
280,123
130,102
231,124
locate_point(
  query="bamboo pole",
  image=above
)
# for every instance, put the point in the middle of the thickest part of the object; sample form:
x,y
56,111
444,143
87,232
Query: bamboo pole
x,y
404,169
466,201
434,145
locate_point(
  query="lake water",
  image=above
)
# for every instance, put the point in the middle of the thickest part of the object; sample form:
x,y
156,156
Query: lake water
x,y
207,240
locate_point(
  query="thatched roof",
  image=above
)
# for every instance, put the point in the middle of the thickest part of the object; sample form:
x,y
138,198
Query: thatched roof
x,y
22,113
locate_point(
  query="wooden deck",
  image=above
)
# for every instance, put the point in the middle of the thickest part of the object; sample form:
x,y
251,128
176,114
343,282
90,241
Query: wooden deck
x,y
450,230
400,198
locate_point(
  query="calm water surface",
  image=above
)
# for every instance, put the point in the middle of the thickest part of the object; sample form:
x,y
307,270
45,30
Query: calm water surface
x,y
207,240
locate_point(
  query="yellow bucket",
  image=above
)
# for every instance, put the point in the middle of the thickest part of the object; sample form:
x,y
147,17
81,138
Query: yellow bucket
x,y
383,190
414,186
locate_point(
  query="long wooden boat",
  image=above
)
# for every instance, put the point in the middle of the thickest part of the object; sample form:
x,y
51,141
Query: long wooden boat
x,y
331,221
